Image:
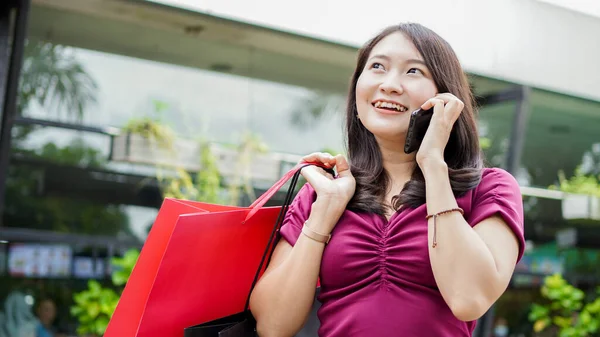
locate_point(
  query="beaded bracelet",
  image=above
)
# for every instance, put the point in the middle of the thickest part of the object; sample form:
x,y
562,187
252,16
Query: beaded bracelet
x,y
434,216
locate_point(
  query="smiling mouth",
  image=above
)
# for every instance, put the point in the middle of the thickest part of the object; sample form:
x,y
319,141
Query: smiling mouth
x,y
390,106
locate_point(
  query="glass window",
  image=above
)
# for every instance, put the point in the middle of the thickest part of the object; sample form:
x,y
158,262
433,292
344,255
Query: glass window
x,y
495,127
562,134
64,190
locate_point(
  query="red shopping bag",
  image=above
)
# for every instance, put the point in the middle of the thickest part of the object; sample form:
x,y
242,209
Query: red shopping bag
x,y
197,264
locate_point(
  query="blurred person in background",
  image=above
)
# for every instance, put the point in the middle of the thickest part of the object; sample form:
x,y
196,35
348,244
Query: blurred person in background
x,y
46,313
500,328
17,318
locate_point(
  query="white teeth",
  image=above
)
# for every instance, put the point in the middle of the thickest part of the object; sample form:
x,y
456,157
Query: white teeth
x,y
380,104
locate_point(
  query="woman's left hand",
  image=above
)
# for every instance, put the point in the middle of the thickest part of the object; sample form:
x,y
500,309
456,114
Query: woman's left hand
x,y
446,109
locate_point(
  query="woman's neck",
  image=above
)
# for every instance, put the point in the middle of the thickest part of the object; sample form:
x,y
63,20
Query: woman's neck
x,y
398,165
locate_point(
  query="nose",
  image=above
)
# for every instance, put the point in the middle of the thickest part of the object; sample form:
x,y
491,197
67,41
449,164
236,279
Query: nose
x,y
391,85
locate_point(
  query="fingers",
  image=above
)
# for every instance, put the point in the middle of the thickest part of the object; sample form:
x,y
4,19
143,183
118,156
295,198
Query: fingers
x,y
445,103
319,157
430,103
343,168
339,162
438,106
325,183
455,107
315,175
447,97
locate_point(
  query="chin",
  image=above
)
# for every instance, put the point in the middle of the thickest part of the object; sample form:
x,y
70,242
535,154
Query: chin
x,y
388,133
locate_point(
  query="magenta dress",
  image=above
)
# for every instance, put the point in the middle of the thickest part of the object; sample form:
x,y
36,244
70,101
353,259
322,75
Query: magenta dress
x,y
376,278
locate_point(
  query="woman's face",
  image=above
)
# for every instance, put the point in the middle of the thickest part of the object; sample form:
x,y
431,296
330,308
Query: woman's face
x,y
394,83
47,312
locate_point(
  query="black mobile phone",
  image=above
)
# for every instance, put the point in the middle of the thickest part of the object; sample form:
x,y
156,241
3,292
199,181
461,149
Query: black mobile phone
x,y
419,121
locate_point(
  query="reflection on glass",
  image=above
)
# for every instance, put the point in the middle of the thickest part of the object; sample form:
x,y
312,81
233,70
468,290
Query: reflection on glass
x,y
562,135
495,124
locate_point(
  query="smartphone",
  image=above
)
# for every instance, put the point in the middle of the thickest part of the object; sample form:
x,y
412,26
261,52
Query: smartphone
x,y
419,121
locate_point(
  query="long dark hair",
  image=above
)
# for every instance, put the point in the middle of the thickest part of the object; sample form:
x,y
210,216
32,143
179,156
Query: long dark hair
x,y
462,154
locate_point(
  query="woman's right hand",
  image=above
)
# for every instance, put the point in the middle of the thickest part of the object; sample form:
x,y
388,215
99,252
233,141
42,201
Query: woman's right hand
x,y
335,191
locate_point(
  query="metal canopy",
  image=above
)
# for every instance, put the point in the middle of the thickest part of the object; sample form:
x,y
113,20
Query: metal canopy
x,y
165,34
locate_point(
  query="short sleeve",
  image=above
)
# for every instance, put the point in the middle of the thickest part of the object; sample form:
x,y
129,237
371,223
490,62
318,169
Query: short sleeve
x,y
499,194
297,214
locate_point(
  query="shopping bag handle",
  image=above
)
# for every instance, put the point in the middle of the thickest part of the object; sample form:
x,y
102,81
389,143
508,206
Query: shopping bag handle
x,y
294,174
262,200
270,244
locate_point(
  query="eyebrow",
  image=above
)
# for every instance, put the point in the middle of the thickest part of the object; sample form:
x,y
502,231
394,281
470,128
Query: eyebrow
x,y
387,58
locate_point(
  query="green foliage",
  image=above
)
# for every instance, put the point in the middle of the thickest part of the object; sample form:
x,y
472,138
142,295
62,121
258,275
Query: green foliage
x,y
95,306
485,143
176,182
564,310
206,185
179,186
208,179
250,146
152,127
124,266
579,183
60,213
53,77
78,153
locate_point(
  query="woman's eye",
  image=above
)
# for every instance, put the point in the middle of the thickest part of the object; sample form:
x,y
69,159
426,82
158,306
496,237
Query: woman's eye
x,y
377,65
414,71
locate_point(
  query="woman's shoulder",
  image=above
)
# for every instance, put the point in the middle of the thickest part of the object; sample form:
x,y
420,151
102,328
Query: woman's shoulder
x,y
497,176
496,182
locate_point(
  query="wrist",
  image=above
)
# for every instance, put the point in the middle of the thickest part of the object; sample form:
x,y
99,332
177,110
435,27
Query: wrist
x,y
433,166
330,206
325,214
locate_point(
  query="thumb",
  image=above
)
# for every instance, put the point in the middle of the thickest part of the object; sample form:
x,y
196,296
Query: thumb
x,y
342,166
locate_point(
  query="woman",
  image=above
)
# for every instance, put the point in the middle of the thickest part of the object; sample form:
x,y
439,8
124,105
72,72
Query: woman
x,y
402,258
